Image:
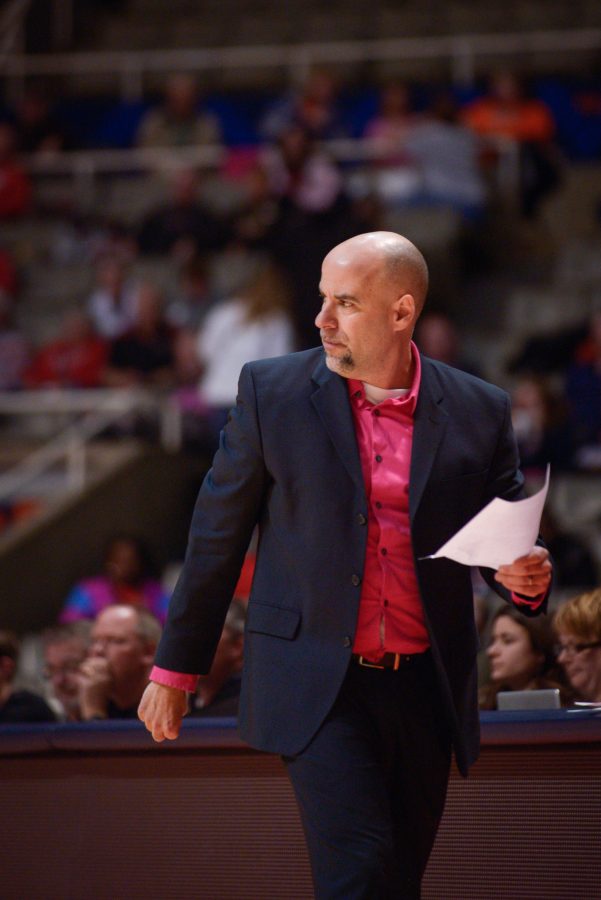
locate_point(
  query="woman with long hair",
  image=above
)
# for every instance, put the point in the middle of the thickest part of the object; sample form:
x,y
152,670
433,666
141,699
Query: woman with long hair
x,y
521,657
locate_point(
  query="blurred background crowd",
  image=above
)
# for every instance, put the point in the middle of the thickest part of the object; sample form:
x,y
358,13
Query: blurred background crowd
x,y
163,217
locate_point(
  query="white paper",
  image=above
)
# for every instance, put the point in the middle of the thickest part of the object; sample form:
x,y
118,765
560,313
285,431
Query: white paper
x,y
499,533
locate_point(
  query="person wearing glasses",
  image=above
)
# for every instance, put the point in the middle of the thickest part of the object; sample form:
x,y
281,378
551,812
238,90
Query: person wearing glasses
x,y
64,649
577,625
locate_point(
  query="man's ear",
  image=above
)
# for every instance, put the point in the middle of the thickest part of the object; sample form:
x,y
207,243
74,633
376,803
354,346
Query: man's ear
x,y
404,312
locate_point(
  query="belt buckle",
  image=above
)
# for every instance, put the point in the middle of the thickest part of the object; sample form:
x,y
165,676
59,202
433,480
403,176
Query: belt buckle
x,y
369,665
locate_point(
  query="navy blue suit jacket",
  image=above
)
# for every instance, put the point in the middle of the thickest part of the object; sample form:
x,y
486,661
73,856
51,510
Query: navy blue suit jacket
x,y
288,461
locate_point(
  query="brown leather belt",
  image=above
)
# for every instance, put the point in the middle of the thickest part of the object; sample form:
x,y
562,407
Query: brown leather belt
x,y
392,661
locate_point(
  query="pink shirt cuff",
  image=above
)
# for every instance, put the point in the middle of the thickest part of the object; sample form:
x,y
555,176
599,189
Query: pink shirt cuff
x,y
532,602
178,680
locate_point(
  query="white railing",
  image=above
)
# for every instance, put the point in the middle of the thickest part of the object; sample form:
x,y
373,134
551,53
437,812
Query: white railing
x,y
97,410
128,68
84,166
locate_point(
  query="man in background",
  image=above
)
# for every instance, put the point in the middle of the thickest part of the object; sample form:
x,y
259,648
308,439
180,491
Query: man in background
x,y
113,676
65,648
357,460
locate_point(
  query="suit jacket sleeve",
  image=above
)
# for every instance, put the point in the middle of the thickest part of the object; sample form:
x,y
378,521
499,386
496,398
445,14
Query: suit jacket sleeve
x,y
506,481
225,514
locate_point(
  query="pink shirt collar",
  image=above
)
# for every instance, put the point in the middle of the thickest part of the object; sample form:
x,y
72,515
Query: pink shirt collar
x,y
407,403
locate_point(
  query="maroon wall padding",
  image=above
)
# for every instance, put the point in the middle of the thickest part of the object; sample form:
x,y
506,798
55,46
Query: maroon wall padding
x,y
214,822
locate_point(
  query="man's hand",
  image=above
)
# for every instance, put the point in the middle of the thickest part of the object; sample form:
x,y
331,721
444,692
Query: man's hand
x,y
94,687
162,709
529,575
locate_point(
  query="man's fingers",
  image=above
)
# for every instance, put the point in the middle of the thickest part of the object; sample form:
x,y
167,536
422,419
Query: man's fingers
x,y
531,567
528,585
161,710
534,564
164,732
172,732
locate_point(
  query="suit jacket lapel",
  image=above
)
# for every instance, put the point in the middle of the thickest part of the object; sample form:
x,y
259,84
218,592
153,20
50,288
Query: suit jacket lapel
x,y
332,403
429,423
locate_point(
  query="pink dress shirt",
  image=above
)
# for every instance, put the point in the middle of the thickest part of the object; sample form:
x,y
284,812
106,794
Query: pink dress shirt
x,y
391,617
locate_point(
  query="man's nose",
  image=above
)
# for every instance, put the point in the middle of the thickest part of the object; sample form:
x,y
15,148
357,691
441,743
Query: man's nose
x,y
325,317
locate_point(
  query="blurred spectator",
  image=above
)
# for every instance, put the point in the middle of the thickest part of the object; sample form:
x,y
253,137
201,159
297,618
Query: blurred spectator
x,y
183,226
8,274
583,389
14,349
550,352
259,208
573,563
38,129
15,186
389,129
521,657
17,706
127,579
438,338
253,325
506,113
218,692
298,171
314,109
446,156
577,624
144,354
392,176
112,302
540,425
193,298
178,123
314,215
76,359
65,647
113,676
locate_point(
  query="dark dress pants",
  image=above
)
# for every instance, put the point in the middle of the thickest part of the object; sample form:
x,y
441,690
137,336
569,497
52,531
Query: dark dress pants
x,y
372,783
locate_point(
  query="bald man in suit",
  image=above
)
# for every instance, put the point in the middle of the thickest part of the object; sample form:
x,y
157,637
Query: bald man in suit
x,y
356,460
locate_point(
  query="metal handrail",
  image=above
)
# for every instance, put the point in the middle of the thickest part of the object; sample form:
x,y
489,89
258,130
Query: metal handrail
x,y
461,51
99,409
84,166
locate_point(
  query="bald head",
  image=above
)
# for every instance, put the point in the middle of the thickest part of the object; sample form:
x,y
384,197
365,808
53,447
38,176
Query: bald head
x,y
373,288
392,257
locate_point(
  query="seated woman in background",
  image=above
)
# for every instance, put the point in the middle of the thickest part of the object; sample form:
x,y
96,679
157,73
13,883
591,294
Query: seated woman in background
x,y
126,579
521,657
577,624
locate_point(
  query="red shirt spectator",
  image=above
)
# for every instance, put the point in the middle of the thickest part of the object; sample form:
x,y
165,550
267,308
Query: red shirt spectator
x,y
8,274
15,187
76,359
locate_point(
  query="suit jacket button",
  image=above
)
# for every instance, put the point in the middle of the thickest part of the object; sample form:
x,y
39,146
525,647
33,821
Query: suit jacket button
x,y
346,641
355,580
361,520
